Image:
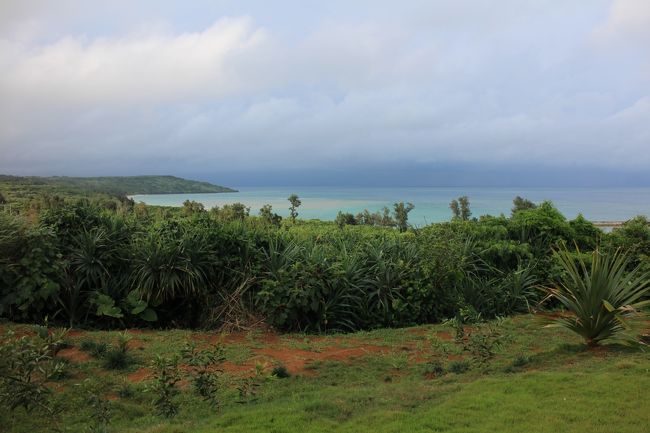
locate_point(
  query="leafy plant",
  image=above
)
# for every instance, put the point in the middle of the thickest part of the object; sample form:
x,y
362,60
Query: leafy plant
x,y
459,367
100,413
94,348
435,368
248,387
398,360
204,370
166,376
521,360
483,342
26,367
126,390
281,372
601,296
118,357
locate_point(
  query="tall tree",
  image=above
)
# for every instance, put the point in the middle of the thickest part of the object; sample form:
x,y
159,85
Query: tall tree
x,y
455,209
460,208
465,212
520,203
401,212
343,219
191,207
293,209
267,215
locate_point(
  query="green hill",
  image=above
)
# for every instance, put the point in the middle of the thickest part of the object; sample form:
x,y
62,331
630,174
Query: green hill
x,y
19,188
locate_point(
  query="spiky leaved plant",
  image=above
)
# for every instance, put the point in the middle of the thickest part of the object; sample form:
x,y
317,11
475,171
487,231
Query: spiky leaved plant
x,y
601,297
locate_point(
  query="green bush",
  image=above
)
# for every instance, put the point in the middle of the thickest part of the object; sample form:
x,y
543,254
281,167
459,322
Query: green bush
x,y
204,370
115,268
27,364
459,367
281,372
166,376
118,357
601,295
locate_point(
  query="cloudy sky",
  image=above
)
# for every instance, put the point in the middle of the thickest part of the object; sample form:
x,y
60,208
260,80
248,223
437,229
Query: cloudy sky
x,y
366,92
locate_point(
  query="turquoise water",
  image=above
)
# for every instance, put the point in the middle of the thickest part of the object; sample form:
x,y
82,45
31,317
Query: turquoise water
x,y
431,203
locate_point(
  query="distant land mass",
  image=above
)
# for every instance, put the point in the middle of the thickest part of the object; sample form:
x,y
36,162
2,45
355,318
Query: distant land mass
x,y
25,186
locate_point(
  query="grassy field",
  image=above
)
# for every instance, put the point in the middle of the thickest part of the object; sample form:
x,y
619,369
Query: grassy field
x,y
540,380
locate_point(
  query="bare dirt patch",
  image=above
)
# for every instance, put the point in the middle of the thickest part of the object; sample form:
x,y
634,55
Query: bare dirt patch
x,y
139,375
444,335
75,333
75,355
295,360
136,344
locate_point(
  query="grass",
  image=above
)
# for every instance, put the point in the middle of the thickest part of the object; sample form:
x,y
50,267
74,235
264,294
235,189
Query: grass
x,y
541,380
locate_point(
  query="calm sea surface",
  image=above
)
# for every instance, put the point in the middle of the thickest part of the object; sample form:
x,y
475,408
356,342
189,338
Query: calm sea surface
x,y
431,203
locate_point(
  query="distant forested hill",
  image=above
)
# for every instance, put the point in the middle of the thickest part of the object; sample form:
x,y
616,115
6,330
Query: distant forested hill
x,y
22,188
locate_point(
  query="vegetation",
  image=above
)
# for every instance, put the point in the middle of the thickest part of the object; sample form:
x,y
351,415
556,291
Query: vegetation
x,y
119,185
460,208
520,203
84,264
401,215
601,295
35,192
349,382
166,376
26,366
293,209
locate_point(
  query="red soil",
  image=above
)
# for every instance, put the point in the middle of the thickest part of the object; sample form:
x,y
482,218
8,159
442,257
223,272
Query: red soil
x,y
237,337
76,333
135,344
444,335
75,355
295,360
140,375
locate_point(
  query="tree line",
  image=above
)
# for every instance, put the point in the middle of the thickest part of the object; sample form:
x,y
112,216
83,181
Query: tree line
x,y
83,264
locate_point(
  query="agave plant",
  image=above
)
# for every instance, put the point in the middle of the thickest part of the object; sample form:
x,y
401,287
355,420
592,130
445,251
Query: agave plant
x,y
602,297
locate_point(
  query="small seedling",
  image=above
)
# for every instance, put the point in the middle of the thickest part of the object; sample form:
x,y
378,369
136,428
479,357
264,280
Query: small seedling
x,y
118,357
94,348
398,361
434,368
483,343
26,366
204,370
439,347
248,387
521,361
166,376
459,367
281,372
100,413
126,390
63,372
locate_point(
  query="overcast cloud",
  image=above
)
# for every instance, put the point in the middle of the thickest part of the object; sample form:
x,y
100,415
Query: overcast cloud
x,y
288,92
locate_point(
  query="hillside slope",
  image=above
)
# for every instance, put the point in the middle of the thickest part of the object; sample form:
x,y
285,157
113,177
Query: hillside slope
x,y
113,185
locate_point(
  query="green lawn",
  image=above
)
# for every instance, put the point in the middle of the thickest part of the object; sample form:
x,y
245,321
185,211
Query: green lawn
x,y
378,381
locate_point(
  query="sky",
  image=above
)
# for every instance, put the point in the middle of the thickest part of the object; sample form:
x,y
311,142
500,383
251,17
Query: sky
x,y
361,93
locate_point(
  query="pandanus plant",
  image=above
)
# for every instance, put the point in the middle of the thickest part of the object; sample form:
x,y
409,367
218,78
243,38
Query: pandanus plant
x,y
602,296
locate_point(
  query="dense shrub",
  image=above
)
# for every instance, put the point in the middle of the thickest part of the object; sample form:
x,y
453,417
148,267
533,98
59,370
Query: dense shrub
x,y
89,265
602,295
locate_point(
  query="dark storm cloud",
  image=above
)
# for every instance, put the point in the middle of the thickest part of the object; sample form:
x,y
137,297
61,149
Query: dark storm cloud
x,y
240,90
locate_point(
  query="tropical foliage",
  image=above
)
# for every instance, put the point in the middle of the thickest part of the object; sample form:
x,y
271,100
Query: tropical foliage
x,y
601,294
84,263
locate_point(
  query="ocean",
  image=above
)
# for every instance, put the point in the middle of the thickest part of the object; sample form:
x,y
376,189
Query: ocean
x,y
431,203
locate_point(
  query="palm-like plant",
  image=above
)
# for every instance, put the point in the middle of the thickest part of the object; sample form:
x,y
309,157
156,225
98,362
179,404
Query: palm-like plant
x,y
601,297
